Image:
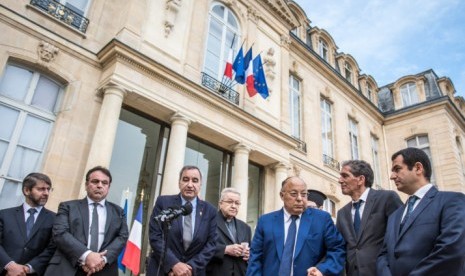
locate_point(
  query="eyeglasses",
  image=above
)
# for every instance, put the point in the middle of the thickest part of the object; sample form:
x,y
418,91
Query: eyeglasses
x,y
231,202
97,181
296,194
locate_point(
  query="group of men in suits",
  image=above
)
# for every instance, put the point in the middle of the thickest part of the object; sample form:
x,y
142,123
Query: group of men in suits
x,y
85,237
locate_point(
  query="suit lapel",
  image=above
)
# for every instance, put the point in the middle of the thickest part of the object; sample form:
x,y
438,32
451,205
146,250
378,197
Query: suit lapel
x,y
40,219
198,217
223,228
347,222
84,210
278,230
371,198
305,224
21,220
425,201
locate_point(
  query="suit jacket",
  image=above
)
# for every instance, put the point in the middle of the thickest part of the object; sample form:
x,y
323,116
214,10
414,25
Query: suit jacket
x,y
70,233
318,244
362,249
15,246
203,244
432,241
226,265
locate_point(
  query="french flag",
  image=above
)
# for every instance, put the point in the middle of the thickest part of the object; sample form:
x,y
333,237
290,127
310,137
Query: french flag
x,y
248,61
228,70
131,257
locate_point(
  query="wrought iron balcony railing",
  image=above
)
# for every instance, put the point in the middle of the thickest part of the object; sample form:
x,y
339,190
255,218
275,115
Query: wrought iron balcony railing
x,y
63,13
219,88
330,162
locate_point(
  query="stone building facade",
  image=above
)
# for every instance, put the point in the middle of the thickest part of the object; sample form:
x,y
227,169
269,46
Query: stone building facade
x,y
138,86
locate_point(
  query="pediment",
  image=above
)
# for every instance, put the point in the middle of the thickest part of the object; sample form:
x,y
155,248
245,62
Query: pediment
x,y
281,8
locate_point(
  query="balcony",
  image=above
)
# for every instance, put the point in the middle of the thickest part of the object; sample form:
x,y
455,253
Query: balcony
x,y
220,89
66,14
330,162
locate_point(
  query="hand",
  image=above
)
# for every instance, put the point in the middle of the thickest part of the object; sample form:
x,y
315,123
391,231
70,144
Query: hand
x,y
94,262
182,269
313,271
15,269
235,250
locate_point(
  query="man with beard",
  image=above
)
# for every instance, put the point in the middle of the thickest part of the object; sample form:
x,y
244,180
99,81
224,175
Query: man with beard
x,y
26,230
232,250
90,232
296,240
191,239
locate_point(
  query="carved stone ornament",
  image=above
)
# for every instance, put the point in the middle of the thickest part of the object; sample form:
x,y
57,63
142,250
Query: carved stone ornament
x,y
270,64
47,52
253,14
171,12
285,40
332,188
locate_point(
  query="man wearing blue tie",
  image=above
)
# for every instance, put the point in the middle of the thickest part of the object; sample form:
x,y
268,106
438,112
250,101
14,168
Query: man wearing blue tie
x,y
426,236
296,240
26,230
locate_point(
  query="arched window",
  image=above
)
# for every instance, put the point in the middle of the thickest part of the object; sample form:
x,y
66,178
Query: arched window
x,y
223,34
409,94
28,104
369,92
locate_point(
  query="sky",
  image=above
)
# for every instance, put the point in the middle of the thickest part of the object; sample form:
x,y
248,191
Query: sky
x,y
392,39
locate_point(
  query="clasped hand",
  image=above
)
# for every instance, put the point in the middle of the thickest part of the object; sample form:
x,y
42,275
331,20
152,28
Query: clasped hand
x,y
94,262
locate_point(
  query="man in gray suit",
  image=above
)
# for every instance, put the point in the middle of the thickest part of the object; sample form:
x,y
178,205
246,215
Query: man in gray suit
x,y
362,222
89,233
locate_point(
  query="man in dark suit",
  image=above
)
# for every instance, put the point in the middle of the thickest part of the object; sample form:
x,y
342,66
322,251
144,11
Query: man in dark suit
x,y
296,240
191,239
26,231
232,244
362,222
89,233
427,236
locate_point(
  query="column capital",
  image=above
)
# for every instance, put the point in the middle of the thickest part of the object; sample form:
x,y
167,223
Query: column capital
x,y
241,148
113,89
280,166
179,118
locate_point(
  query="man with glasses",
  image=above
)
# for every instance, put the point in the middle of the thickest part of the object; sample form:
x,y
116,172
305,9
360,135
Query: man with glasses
x,y
26,230
296,240
232,243
89,233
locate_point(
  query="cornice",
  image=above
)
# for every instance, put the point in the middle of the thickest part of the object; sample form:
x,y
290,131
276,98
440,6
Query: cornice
x,y
117,52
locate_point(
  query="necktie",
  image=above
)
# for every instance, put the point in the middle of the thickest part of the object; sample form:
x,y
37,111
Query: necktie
x,y
288,252
187,231
30,220
410,202
357,215
94,229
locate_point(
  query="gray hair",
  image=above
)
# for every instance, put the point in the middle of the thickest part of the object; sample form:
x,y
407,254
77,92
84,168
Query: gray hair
x,y
227,191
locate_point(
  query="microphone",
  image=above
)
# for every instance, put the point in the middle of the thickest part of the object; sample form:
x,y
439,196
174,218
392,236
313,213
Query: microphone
x,y
174,212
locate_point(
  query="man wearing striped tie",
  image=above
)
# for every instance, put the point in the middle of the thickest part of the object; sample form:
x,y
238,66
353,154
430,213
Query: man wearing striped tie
x,y
426,236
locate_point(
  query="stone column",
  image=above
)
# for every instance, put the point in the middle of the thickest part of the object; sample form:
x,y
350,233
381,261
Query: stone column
x,y
101,147
240,177
175,154
280,175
